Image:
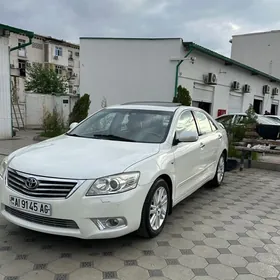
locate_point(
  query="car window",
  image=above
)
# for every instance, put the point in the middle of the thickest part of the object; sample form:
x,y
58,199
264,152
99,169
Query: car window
x,y
239,119
213,126
202,122
186,122
225,120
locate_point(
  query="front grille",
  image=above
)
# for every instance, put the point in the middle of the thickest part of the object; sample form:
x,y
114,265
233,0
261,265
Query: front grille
x,y
61,223
47,187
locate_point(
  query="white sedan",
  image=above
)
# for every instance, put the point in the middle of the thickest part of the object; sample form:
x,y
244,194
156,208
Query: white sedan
x,y
120,170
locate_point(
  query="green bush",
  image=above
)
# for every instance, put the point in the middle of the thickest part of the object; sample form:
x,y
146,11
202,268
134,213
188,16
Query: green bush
x,y
182,96
80,110
53,124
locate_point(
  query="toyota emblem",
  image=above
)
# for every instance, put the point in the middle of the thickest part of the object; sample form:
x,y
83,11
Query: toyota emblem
x,y
31,183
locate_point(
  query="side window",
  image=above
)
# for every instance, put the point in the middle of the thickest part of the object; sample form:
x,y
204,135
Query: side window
x,y
186,122
202,122
213,126
226,120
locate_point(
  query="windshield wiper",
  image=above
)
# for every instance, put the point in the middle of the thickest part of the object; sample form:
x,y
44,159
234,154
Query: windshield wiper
x,y
75,135
112,137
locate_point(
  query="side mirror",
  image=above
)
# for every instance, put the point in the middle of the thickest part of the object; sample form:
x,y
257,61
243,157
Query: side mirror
x,y
187,136
73,125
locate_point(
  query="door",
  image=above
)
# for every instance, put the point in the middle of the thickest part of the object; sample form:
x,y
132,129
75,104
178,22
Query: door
x,y
235,103
210,143
274,107
186,158
202,97
258,104
65,108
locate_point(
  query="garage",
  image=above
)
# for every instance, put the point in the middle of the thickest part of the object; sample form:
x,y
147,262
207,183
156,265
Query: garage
x,y
202,97
235,103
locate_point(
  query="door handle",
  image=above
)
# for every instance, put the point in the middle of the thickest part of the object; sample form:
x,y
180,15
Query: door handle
x,y
202,145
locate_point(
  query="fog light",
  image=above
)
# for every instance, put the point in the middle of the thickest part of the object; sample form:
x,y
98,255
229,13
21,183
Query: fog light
x,y
110,223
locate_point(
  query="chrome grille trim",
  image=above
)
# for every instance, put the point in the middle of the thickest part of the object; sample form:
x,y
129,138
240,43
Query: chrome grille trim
x,y
42,220
47,188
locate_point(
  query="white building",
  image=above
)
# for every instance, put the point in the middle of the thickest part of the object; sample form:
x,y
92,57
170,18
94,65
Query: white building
x,y
5,82
120,70
258,50
60,55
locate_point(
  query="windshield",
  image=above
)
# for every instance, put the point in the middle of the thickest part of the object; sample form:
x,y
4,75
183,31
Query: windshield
x,y
130,125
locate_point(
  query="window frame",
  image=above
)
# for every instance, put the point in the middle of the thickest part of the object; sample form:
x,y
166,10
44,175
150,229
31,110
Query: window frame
x,y
175,130
197,123
58,51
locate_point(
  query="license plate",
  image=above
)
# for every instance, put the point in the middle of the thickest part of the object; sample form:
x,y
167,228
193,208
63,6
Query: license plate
x,y
30,206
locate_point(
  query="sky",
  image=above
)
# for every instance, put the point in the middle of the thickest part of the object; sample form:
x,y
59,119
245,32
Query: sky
x,y
210,23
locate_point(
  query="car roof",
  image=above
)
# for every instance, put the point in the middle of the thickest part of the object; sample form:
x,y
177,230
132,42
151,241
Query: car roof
x,y
153,105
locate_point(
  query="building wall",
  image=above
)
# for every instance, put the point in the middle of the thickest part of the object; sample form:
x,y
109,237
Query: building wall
x,y
259,50
123,70
136,70
191,77
5,99
38,104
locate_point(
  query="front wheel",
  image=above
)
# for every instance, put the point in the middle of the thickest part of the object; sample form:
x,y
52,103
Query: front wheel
x,y
220,172
155,210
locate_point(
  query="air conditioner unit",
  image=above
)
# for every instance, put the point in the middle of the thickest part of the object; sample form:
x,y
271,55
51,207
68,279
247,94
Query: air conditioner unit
x,y
12,66
77,53
266,89
235,85
74,91
55,57
210,79
275,91
246,88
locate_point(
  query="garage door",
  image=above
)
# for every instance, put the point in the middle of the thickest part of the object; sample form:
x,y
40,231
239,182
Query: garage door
x,y
235,103
202,95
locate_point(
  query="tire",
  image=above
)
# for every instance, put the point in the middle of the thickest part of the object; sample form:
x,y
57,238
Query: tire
x,y
220,172
148,229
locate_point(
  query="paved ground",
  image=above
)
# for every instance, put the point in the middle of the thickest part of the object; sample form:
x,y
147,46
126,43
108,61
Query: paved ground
x,y
23,138
228,233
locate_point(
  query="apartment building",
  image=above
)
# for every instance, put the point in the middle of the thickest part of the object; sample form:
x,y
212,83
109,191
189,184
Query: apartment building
x,y
60,55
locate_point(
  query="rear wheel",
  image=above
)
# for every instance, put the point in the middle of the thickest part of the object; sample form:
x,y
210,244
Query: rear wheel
x,y
155,210
220,172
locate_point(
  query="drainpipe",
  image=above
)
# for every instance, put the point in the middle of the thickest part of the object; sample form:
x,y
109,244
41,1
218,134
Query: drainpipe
x,y
23,45
177,70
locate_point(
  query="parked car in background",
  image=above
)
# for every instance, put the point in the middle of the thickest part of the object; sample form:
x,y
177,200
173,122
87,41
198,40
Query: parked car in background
x,y
120,170
273,117
267,127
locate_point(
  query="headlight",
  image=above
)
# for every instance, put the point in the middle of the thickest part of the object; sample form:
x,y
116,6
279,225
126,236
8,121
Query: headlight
x,y
114,184
3,166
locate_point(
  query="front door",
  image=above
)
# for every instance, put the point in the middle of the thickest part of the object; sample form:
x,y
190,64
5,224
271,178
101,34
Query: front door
x,y
210,142
186,157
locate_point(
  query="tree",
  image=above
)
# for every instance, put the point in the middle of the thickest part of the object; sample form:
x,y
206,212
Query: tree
x,y
182,96
41,79
80,110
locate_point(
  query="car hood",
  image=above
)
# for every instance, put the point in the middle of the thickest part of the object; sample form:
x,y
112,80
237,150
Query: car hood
x,y
79,158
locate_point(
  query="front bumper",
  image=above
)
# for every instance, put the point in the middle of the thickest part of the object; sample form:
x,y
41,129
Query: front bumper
x,y
82,210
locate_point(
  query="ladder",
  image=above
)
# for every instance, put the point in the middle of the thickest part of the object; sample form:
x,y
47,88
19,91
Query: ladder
x,y
16,112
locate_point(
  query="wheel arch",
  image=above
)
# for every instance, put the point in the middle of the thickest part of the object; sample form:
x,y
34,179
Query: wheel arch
x,y
168,180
